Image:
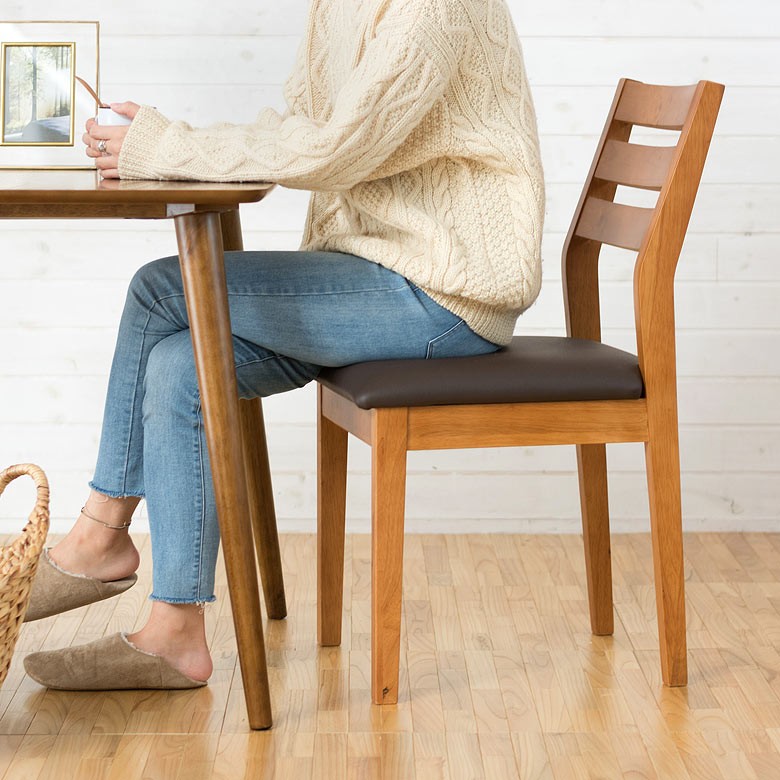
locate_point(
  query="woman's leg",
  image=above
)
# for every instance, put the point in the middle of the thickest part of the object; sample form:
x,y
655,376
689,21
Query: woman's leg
x,y
152,312
180,496
291,313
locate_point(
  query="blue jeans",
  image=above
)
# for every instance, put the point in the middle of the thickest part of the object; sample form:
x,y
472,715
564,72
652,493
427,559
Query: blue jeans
x,y
291,314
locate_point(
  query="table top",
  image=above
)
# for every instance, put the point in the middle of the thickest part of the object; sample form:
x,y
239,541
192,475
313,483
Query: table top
x,y
40,187
83,194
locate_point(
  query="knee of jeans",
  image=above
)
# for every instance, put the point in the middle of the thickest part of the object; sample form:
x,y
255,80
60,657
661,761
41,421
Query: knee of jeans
x,y
155,280
170,381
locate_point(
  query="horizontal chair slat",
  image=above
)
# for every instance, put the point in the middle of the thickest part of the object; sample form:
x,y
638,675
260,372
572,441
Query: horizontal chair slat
x,y
614,223
635,165
649,105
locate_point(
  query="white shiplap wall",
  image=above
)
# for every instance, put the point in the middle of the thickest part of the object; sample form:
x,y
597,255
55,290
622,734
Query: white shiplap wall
x,y
62,284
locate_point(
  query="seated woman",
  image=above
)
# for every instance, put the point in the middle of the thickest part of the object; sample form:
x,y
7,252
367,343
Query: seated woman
x,y
412,124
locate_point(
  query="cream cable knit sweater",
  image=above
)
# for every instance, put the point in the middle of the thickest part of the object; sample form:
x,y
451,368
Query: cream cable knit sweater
x,y
412,123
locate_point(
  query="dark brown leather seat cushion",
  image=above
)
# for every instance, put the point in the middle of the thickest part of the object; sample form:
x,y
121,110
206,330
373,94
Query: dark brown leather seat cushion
x,y
530,369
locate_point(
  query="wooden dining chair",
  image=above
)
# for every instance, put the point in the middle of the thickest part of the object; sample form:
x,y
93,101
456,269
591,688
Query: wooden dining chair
x,y
541,390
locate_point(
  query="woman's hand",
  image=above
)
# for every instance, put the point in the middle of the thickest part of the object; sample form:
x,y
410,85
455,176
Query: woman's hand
x,y
107,159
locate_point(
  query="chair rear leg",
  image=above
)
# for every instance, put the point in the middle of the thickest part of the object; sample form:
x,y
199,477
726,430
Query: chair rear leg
x,y
663,481
261,504
331,510
592,468
388,496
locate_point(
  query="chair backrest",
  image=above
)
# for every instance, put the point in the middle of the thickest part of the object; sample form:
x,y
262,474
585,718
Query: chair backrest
x,y
657,233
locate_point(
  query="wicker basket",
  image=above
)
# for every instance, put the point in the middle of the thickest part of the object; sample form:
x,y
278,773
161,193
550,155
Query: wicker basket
x,y
19,562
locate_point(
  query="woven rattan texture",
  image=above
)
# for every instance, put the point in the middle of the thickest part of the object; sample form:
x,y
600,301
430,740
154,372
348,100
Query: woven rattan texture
x,y
19,561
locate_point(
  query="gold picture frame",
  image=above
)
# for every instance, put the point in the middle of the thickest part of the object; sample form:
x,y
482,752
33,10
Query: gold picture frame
x,y
42,110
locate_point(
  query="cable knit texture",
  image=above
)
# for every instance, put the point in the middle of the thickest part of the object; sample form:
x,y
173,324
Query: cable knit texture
x,y
412,124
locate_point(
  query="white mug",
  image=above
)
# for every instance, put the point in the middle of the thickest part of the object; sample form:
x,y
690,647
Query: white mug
x,y
107,116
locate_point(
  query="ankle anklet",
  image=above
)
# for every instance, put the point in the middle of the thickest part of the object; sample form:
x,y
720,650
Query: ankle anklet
x,y
107,525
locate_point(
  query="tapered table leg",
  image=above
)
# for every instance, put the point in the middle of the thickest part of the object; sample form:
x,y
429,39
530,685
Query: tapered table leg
x,y
203,273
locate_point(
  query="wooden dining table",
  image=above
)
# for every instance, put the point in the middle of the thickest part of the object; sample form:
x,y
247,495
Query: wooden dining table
x,y
207,223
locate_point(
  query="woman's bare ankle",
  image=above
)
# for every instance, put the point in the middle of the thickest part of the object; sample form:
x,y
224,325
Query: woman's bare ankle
x,y
106,563
177,633
111,511
99,544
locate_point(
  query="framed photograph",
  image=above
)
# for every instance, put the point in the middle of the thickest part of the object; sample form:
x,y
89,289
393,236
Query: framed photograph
x,y
43,107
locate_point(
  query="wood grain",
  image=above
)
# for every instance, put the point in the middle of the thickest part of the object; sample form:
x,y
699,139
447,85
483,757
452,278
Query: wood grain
x,y
258,467
515,425
261,502
40,187
649,105
635,165
655,327
388,476
656,234
592,472
346,415
514,695
203,273
613,223
331,511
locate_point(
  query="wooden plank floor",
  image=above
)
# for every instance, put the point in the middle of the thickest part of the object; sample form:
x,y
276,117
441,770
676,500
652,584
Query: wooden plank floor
x,y
500,676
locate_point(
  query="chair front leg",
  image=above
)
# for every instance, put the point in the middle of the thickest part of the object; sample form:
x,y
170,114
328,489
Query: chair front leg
x,y
331,510
388,495
663,480
592,468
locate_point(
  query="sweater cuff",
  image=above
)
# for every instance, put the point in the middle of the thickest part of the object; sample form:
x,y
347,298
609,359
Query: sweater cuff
x,y
141,143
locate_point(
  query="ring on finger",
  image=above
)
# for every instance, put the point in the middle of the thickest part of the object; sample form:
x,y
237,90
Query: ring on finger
x,y
101,147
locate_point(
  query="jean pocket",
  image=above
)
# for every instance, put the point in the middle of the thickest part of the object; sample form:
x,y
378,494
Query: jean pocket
x,y
458,341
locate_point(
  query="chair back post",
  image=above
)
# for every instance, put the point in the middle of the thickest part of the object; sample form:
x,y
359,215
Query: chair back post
x,y
660,251
580,256
656,234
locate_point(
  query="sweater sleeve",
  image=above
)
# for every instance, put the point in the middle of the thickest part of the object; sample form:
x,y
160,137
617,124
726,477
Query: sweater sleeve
x,y
405,68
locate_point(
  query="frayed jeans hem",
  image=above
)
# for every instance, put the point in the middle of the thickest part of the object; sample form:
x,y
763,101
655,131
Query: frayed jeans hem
x,y
116,493
168,600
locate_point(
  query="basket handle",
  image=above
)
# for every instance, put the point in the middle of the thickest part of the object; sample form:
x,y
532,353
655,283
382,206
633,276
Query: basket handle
x,y
36,474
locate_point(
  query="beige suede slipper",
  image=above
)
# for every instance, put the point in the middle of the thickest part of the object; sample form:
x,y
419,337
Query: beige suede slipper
x,y
109,664
55,590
